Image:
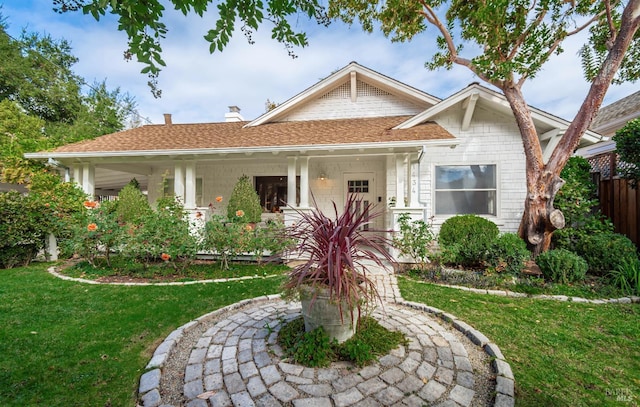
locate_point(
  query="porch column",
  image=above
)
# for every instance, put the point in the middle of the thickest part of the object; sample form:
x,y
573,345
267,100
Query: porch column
x,y
77,175
304,182
178,181
400,180
412,187
88,179
190,185
291,181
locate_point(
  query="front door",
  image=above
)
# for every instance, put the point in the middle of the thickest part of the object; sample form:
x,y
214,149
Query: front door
x,y
361,184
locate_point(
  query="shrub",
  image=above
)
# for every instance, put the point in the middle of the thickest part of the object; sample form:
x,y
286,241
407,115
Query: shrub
x,y
508,254
628,146
413,239
244,202
98,234
21,228
226,239
270,238
627,277
606,251
467,239
316,349
132,204
562,266
163,234
60,203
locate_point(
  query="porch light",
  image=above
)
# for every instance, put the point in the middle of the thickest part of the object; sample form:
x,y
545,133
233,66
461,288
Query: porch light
x,y
322,176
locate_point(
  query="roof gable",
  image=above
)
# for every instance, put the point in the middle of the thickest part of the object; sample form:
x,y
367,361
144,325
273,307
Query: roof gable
x,y
547,124
351,92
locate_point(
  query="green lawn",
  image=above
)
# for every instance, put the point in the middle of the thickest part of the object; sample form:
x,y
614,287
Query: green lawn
x,y
71,344
561,353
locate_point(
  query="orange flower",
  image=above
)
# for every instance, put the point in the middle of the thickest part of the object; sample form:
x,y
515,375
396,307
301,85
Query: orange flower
x,y
165,257
90,204
92,227
239,213
248,228
218,199
198,215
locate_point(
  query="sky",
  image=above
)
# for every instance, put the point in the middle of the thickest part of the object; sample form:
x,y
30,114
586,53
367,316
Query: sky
x,y
199,87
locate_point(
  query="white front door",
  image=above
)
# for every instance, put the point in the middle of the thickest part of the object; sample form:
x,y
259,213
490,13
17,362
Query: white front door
x,y
361,184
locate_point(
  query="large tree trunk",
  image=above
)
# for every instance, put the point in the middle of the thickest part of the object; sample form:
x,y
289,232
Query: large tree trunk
x,y
540,219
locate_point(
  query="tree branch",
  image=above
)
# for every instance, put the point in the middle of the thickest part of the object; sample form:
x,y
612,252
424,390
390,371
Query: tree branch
x,y
629,24
431,17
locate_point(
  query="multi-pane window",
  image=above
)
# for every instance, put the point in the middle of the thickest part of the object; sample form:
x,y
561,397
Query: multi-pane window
x,y
466,189
358,186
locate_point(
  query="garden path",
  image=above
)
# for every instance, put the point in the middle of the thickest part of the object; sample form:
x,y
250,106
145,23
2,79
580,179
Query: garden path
x,y
230,358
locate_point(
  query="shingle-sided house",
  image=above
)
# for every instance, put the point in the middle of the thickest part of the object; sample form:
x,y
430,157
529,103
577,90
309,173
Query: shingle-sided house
x,y
356,131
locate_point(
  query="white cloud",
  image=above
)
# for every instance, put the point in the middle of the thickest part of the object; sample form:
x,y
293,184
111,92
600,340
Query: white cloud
x,y
198,86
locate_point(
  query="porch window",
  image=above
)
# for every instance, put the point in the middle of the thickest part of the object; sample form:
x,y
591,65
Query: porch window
x,y
169,188
273,192
466,189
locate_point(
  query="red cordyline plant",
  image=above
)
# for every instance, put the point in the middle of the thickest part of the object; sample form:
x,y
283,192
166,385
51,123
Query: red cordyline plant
x,y
336,253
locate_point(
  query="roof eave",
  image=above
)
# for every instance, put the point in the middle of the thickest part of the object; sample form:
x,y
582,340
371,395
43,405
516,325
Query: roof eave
x,y
363,147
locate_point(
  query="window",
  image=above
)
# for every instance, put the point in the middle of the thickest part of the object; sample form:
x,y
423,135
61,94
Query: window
x,y
169,188
358,186
466,189
273,192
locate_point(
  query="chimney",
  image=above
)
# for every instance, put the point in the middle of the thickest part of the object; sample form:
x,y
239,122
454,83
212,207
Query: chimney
x,y
167,118
233,115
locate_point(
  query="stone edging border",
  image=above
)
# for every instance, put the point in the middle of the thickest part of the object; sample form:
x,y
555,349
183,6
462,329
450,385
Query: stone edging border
x,y
149,388
505,293
505,381
54,272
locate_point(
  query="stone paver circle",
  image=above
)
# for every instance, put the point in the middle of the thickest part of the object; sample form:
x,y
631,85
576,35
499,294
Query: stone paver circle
x,y
234,360
238,362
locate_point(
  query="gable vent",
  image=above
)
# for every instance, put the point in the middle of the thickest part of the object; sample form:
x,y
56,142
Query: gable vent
x,y
344,91
341,92
364,89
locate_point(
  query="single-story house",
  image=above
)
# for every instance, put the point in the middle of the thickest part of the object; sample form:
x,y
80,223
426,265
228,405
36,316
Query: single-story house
x,y
355,131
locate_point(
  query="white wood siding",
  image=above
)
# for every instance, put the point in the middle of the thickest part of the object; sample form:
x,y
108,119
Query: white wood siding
x,y
492,138
337,104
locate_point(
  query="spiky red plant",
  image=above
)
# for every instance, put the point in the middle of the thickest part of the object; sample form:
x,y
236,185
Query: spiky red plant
x,y
336,253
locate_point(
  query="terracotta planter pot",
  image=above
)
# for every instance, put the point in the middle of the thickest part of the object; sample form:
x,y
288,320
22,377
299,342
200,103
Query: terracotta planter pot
x,y
325,312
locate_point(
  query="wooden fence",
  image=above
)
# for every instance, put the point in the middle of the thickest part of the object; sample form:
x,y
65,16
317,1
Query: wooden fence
x,y
620,203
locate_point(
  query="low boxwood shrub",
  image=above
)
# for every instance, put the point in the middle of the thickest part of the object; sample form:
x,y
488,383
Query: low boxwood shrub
x,y
606,251
508,254
466,239
562,266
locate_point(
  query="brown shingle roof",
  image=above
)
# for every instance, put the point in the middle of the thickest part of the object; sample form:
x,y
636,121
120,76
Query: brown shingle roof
x,y
623,107
234,135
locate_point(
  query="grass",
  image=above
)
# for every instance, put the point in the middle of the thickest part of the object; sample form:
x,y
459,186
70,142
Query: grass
x,y
71,344
561,353
122,267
